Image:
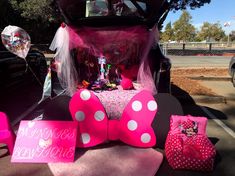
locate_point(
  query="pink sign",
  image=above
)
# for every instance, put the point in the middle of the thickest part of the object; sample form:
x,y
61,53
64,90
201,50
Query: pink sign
x,y
45,142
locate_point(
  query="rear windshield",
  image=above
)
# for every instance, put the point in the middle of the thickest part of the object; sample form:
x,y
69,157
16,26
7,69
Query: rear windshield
x,y
116,7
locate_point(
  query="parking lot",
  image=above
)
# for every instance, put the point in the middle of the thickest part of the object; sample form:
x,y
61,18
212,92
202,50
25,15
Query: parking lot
x,y
219,109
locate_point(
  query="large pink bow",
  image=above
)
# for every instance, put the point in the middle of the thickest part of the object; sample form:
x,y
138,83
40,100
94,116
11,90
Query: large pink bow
x,y
94,127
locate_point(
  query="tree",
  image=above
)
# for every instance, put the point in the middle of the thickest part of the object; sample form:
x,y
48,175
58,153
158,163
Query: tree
x,y
8,15
211,32
232,36
39,10
39,17
46,10
183,29
174,5
43,13
168,34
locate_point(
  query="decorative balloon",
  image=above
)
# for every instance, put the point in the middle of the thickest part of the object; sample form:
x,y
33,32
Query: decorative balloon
x,y
16,40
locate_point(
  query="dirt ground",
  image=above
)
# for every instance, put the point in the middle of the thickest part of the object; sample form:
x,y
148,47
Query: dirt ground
x,y
182,78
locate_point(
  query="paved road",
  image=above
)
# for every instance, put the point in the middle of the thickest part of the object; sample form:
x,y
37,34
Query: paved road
x,y
221,125
220,129
200,61
221,115
222,88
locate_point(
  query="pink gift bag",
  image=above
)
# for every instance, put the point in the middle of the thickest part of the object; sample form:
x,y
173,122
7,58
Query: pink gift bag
x,y
187,145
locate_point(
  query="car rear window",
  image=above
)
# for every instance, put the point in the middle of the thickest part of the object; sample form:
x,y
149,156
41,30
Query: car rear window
x,y
118,8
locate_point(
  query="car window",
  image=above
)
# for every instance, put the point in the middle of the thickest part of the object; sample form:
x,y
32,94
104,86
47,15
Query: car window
x,y
117,7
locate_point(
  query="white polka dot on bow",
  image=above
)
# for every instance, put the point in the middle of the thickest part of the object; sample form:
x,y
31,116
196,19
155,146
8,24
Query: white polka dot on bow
x,y
85,138
136,105
152,105
85,95
145,138
132,125
99,115
80,116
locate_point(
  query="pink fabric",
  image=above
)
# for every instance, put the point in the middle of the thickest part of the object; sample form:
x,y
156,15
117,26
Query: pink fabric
x,y
134,127
144,76
119,45
128,75
115,101
7,136
186,149
111,161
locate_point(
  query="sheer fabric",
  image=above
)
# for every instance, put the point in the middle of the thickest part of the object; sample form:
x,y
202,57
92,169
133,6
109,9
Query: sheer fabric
x,y
119,45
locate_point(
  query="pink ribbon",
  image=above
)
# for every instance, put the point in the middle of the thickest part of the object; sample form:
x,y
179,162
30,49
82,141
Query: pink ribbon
x,y
94,127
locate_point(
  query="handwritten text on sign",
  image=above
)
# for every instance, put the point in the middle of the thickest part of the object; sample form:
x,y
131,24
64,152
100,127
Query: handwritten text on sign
x,y
45,141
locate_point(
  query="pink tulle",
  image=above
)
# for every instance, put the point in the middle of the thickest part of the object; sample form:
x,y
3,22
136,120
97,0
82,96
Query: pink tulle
x,y
119,45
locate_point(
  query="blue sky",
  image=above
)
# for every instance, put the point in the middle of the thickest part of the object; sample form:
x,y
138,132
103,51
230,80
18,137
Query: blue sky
x,y
217,11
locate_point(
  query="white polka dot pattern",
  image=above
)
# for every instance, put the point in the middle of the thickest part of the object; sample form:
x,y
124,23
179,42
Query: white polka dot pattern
x,y
135,125
152,105
194,153
80,116
136,106
132,125
85,95
85,138
145,138
99,115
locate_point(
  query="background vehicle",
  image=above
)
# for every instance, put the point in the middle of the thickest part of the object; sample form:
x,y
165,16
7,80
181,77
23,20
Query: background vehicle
x,y
20,86
232,69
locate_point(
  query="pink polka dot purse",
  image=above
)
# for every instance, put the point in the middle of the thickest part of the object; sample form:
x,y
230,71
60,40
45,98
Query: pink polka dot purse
x,y
187,145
